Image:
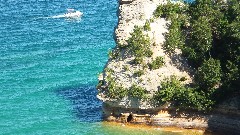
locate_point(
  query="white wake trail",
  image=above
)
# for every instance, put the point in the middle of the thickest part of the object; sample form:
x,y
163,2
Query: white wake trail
x,y
57,16
70,15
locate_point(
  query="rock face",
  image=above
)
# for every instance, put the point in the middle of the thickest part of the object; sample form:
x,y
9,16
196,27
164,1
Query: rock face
x,y
136,13
128,109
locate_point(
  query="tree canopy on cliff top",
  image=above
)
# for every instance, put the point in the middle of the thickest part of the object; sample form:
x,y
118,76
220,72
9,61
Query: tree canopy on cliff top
x,y
208,33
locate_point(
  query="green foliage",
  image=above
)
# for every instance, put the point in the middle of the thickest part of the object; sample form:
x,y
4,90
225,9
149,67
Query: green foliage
x,y
202,8
100,83
229,49
157,63
109,70
168,10
171,90
115,91
147,26
144,66
121,46
232,72
139,45
208,33
199,100
139,73
200,42
182,79
151,20
114,54
233,10
159,11
174,38
148,53
209,74
201,35
137,91
234,30
219,21
118,92
138,60
126,67
177,14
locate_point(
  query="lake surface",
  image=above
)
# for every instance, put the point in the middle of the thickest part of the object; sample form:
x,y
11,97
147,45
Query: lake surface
x,y
49,66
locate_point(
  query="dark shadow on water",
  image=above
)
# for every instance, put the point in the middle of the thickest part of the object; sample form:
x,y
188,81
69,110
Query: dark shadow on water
x,y
85,105
225,125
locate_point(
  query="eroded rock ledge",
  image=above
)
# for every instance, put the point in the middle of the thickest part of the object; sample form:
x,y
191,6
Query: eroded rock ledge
x,y
224,120
128,109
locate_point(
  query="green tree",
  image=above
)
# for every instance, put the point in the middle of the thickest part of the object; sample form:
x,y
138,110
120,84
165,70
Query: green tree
x,y
200,41
202,8
174,38
209,74
139,45
168,10
171,90
233,10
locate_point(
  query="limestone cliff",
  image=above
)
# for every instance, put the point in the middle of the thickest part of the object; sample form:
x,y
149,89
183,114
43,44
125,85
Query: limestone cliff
x,y
123,73
136,13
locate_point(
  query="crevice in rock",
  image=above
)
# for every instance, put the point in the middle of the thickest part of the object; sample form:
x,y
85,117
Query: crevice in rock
x,y
130,118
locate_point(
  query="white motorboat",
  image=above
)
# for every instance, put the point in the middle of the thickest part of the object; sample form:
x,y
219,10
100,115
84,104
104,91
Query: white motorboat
x,y
73,14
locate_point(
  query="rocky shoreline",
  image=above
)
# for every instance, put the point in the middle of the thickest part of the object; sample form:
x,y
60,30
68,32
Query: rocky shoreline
x,y
218,122
225,119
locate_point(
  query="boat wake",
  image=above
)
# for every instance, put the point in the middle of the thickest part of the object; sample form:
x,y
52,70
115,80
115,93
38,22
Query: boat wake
x,y
71,14
57,16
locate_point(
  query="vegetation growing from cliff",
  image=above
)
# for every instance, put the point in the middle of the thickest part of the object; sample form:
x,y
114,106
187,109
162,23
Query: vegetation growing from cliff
x,y
200,41
177,14
147,26
139,45
137,91
168,10
117,91
157,63
114,90
175,38
173,91
208,33
114,54
138,73
209,74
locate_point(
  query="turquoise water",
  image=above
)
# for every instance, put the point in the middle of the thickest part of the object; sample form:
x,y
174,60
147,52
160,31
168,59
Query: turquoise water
x,y
49,66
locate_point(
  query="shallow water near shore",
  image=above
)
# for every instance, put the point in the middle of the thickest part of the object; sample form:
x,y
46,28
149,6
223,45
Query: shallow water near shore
x,y
49,67
141,129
